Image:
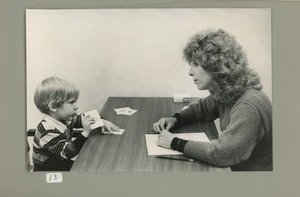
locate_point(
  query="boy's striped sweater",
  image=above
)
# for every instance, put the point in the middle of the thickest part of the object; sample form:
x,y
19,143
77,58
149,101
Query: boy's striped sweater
x,y
53,141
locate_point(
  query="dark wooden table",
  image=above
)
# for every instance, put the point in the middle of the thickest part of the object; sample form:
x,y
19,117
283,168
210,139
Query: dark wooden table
x,y
128,152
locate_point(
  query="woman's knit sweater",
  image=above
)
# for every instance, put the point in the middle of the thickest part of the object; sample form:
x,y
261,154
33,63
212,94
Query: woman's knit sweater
x,y
245,141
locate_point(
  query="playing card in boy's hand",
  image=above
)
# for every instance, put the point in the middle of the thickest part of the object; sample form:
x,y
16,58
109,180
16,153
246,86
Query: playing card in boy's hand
x,y
95,115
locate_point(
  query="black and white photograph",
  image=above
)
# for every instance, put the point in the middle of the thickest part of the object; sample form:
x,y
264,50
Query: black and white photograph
x,y
149,90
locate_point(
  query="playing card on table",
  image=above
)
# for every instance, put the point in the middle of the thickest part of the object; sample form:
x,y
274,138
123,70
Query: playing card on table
x,y
130,112
125,111
122,110
95,115
120,132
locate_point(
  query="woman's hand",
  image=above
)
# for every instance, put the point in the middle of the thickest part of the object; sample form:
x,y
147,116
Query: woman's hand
x,y
165,123
86,122
110,127
164,139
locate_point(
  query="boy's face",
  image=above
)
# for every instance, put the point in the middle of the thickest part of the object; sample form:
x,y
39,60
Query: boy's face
x,y
67,110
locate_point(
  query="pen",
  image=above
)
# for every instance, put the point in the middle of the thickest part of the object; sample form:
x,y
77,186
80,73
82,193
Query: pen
x,y
175,158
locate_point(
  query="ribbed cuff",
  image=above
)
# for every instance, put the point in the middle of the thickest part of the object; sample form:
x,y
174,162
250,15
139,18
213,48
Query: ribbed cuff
x,y
79,141
178,118
178,144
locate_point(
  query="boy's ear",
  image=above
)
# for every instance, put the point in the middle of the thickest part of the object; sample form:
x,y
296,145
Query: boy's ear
x,y
52,107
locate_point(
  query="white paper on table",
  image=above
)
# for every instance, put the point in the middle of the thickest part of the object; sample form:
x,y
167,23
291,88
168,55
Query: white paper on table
x,y
98,121
154,149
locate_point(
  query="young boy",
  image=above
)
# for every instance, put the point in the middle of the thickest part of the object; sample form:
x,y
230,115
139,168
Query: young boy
x,y
52,144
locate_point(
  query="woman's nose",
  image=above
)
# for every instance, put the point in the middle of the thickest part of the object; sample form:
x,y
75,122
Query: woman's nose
x,y
191,71
76,106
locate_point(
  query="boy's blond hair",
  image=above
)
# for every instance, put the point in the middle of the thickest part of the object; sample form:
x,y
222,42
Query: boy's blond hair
x,y
54,90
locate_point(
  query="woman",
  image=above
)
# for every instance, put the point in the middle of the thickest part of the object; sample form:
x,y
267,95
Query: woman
x,y
218,64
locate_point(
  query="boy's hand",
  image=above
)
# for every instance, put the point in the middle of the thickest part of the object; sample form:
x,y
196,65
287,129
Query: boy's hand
x,y
110,127
86,122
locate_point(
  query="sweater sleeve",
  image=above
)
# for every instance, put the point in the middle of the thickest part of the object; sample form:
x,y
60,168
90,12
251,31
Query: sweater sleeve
x,y
77,121
204,110
55,142
235,144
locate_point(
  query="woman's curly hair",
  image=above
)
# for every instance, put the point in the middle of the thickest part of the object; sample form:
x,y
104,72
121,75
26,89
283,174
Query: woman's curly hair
x,y
223,58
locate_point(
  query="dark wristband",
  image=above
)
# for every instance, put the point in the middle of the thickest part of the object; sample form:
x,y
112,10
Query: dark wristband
x,y
174,143
181,145
178,118
178,144
79,141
